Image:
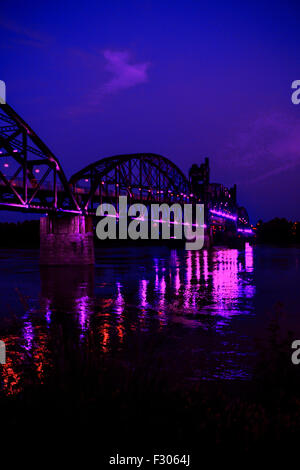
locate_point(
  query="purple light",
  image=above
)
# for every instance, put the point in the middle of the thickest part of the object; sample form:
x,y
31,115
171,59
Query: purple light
x,y
245,230
14,205
119,302
143,293
28,334
248,258
83,310
198,272
177,281
223,214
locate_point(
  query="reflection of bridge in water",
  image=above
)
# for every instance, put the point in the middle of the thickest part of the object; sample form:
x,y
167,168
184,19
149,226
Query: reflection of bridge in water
x,y
177,288
32,180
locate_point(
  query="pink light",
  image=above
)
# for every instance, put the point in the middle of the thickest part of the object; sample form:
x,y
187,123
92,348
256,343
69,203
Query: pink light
x,y
28,334
119,302
223,214
15,151
13,205
6,165
197,225
245,230
225,279
177,281
86,180
248,257
37,170
198,274
143,292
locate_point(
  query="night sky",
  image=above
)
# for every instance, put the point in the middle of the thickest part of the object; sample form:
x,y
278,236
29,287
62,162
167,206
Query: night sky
x,y
185,79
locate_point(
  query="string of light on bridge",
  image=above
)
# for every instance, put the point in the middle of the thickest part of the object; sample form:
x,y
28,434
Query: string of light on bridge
x,y
226,215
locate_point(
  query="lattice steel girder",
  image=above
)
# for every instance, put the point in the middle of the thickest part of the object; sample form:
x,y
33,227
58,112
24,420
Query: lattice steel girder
x,y
145,172
36,180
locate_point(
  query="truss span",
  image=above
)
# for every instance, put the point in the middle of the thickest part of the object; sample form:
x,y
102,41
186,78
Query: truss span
x,y
144,177
31,177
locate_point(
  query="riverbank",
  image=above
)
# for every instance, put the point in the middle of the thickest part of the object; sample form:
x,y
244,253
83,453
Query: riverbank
x,y
122,404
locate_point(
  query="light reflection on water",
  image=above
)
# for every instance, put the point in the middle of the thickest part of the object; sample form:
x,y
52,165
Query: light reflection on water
x,y
142,292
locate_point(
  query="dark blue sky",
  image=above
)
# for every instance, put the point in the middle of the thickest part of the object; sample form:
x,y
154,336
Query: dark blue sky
x,y
186,79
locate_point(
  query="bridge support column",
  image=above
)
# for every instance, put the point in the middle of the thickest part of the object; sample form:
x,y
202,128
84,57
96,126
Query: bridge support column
x,y
66,240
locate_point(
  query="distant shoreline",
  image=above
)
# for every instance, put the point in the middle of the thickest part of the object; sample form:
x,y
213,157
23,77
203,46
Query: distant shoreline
x,y
26,235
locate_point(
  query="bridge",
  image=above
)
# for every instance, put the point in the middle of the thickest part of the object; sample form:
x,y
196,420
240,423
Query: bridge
x,y
32,180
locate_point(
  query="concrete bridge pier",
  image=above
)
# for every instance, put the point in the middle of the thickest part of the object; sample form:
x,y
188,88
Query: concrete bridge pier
x,y
66,240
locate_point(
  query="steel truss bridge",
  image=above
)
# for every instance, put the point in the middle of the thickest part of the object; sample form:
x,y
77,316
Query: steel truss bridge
x,y
32,178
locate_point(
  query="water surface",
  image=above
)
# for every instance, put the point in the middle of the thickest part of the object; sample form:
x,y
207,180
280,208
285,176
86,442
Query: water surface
x,y
207,308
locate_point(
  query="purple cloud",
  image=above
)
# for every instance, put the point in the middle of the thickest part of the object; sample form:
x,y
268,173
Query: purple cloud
x,y
269,146
124,74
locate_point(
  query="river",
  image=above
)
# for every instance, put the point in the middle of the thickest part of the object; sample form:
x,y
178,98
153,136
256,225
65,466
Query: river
x,y
203,312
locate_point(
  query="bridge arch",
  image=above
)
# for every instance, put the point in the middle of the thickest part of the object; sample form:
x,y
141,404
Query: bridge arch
x,y
147,177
